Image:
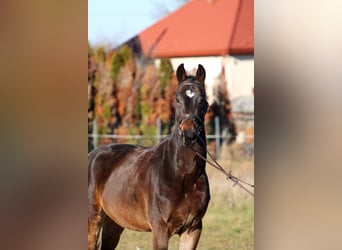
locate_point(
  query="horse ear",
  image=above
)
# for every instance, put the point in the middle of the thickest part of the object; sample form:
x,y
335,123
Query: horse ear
x,y
181,74
200,74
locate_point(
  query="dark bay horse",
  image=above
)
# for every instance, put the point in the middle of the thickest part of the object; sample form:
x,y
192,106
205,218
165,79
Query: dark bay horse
x,y
162,189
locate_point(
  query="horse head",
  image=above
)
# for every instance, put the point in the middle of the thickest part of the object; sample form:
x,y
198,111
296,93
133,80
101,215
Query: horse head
x,y
191,104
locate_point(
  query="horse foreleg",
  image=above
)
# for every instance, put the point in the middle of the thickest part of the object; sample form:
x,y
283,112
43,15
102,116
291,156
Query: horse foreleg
x,y
189,239
111,233
160,236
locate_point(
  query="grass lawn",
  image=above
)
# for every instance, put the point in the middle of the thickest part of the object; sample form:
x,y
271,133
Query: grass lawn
x,y
223,228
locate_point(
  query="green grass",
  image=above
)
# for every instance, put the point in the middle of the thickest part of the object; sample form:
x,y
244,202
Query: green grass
x,y
228,228
224,227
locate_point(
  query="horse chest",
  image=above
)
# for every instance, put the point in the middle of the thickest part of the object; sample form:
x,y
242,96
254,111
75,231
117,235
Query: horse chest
x,y
191,206
195,198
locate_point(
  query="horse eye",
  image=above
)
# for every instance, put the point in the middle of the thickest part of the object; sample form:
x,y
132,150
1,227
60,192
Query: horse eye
x,y
177,98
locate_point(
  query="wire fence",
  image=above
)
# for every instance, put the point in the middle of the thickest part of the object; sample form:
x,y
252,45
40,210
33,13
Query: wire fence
x,y
245,136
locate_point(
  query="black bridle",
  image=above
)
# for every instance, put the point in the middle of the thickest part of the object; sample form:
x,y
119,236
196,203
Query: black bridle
x,y
198,120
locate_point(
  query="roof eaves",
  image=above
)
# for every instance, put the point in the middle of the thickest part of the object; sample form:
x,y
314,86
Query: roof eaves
x,y
190,53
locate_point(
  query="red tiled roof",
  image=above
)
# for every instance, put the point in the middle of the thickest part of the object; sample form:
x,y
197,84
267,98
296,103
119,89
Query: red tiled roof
x,y
202,28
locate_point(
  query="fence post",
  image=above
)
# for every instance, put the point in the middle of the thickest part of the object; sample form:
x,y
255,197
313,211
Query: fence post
x,y
94,133
217,136
158,130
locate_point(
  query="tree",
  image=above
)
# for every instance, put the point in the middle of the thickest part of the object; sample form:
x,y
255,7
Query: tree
x,y
163,8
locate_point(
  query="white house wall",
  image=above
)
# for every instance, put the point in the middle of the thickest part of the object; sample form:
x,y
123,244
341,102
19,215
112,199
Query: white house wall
x,y
240,75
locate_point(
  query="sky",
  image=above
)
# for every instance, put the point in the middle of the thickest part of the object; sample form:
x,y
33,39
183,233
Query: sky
x,y
111,22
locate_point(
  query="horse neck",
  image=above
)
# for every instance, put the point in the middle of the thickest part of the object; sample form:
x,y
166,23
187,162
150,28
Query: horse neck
x,y
185,158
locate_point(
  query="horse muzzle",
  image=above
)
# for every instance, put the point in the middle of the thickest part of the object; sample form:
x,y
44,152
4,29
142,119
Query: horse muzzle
x,y
188,131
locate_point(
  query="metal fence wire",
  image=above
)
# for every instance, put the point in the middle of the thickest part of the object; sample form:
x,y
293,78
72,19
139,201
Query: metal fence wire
x,y
245,137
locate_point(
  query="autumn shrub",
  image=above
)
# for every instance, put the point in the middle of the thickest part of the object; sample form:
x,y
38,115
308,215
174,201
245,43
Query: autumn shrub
x,y
165,73
119,59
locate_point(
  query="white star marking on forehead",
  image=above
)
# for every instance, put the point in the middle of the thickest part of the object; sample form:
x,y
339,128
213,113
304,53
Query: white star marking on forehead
x,y
189,93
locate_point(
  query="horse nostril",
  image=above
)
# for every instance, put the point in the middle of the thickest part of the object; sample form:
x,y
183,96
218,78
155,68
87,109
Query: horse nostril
x,y
188,131
189,137
190,134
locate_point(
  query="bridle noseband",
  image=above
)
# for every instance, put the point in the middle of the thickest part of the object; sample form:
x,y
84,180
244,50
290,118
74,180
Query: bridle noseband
x,y
197,121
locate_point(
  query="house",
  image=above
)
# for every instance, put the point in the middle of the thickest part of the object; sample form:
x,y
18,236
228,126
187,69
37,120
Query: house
x,y
219,34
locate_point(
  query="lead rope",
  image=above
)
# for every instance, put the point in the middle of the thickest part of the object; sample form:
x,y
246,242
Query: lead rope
x,y
237,181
